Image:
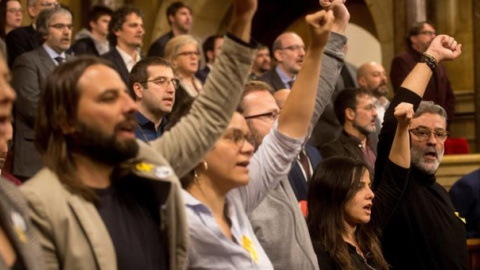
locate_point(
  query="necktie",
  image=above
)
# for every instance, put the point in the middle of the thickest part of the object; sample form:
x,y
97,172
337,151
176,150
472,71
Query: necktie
x,y
59,59
290,84
305,164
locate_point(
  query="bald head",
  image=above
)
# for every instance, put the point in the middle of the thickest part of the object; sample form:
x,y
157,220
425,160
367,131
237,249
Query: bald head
x,y
280,97
372,76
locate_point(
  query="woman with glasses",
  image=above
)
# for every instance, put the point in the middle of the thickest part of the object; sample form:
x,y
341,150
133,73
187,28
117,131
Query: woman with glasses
x,y
184,53
10,16
343,216
232,180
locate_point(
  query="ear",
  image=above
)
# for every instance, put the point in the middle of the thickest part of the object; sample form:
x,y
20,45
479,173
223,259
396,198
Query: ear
x,y
138,90
278,55
171,18
92,24
209,55
67,128
349,114
362,82
31,11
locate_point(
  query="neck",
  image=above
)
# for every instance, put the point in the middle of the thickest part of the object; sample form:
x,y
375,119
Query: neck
x,y
208,194
356,133
132,51
289,74
418,49
99,37
92,173
176,31
349,234
156,119
8,29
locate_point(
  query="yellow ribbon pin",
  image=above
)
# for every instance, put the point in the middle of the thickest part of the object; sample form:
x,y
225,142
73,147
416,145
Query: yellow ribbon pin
x,y
461,218
144,167
248,246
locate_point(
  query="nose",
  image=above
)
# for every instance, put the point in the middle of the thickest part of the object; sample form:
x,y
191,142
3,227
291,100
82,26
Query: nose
x,y
130,106
370,194
247,148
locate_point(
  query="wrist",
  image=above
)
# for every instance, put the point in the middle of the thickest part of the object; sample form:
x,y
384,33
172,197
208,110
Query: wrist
x,y
430,60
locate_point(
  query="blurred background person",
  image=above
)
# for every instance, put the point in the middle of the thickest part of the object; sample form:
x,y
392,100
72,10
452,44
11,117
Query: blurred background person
x,y
10,16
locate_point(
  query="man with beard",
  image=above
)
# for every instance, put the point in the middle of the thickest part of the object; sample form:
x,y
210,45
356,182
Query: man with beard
x,y
438,89
125,33
29,74
278,221
261,64
288,50
423,232
179,17
354,109
106,200
372,76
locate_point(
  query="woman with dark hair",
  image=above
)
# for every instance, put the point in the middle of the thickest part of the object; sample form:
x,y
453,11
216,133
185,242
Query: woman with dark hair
x,y
340,204
10,16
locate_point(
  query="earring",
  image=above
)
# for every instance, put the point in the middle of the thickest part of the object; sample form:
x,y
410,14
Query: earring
x,y
205,167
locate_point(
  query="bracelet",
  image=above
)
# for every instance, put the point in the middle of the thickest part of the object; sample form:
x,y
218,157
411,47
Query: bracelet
x,y
429,60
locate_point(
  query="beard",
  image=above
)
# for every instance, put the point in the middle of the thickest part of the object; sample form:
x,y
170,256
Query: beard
x,y
426,166
365,130
101,147
257,136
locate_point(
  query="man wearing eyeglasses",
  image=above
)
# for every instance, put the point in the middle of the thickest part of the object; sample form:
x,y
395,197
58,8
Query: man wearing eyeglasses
x,y
153,84
438,89
424,231
29,74
288,50
25,39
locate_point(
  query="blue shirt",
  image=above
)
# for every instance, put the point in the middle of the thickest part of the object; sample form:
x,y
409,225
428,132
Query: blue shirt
x,y
284,77
53,54
146,130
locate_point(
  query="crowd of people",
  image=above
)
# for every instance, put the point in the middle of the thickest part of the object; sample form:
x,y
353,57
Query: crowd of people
x,y
162,162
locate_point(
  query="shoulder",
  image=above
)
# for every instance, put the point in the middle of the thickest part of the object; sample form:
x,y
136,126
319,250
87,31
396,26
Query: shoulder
x,y
44,185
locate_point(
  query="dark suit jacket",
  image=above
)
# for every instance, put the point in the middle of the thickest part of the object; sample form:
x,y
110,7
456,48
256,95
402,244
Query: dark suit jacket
x,y
273,79
29,75
343,146
15,221
116,59
158,46
84,46
297,178
465,195
202,74
19,41
438,88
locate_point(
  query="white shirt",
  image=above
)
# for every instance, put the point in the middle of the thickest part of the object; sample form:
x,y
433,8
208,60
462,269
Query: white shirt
x,y
128,60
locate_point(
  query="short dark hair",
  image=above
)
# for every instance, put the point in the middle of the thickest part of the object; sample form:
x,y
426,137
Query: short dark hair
x,y
96,12
174,7
209,45
415,29
139,73
348,99
119,17
57,109
44,18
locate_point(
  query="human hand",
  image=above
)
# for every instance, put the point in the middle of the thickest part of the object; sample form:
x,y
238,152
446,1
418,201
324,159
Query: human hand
x,y
444,48
319,26
404,114
245,7
340,12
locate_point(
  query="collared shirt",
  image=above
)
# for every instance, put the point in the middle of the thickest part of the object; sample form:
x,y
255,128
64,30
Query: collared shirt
x,y
284,77
127,59
102,46
381,105
211,249
368,154
146,130
53,54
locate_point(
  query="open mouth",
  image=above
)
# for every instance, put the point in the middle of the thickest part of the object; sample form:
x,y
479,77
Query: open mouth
x,y
368,208
431,155
243,163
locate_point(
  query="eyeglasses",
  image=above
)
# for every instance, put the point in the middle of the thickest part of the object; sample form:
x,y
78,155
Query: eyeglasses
x,y
294,48
61,26
427,33
15,10
273,116
164,81
189,53
238,137
49,4
424,134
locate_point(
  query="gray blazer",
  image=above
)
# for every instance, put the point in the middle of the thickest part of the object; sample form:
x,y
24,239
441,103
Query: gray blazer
x,y
30,72
16,225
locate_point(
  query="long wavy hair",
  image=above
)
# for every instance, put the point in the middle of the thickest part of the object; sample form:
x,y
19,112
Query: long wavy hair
x,y
334,182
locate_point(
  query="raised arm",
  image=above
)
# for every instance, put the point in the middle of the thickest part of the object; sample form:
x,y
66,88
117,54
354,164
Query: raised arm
x,y
400,152
297,111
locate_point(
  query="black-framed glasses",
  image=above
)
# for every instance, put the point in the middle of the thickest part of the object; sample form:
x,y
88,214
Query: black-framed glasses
x,y
238,137
164,81
189,53
61,26
273,116
424,134
294,48
427,33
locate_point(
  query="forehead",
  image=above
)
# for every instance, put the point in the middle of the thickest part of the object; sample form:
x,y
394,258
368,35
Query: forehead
x,y
188,47
238,122
159,71
104,17
98,78
427,26
13,4
183,10
260,101
263,51
375,67
133,17
291,39
430,120
364,100
61,17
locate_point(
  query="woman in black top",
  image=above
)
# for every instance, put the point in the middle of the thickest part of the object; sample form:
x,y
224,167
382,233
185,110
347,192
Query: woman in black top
x,y
340,204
